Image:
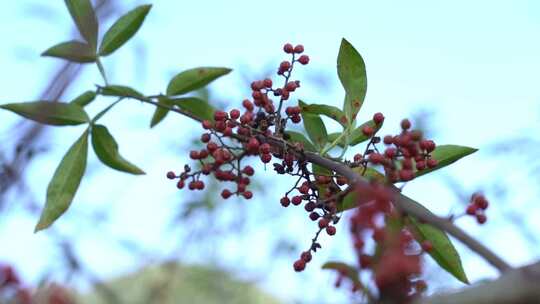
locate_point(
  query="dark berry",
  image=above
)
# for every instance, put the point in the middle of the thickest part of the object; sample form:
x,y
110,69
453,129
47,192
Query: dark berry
x,y
288,48
378,118
299,265
285,201
171,175
304,59
331,230
226,193
247,194
299,49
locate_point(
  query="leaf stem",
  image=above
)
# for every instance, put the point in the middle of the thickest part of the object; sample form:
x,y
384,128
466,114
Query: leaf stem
x,y
102,71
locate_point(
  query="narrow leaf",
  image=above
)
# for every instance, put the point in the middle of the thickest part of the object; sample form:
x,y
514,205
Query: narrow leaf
x,y
121,91
295,137
74,51
315,128
196,107
85,18
84,99
443,252
65,182
123,29
327,110
106,149
352,74
446,155
194,79
161,112
50,113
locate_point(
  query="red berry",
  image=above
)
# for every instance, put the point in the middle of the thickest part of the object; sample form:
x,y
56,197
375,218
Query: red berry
x,y
420,165
285,66
405,124
180,184
248,170
331,230
288,48
171,175
199,185
299,49
323,223
388,140
206,124
480,201
285,201
310,206
299,265
390,152
406,175
306,256
481,218
205,137
432,163
291,86
235,114
267,83
471,209
304,59
367,131
220,115
266,158
194,154
378,118
253,144
247,194
247,104
304,189
226,193
264,148
296,200
314,216
296,118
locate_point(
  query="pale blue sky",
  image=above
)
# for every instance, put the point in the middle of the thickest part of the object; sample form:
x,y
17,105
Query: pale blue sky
x,y
473,62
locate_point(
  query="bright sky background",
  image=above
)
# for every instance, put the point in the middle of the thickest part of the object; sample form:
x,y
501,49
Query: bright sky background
x,y
474,63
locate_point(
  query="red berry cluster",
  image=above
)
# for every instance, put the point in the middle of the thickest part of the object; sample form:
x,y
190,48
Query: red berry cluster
x,y
232,136
396,264
406,154
13,291
477,207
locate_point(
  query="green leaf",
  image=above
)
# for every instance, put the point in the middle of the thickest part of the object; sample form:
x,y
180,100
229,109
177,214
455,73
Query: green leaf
x,y
295,137
84,99
347,270
161,112
65,182
194,79
321,109
123,29
85,18
315,128
73,50
106,149
121,91
352,74
446,155
50,113
197,107
443,252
